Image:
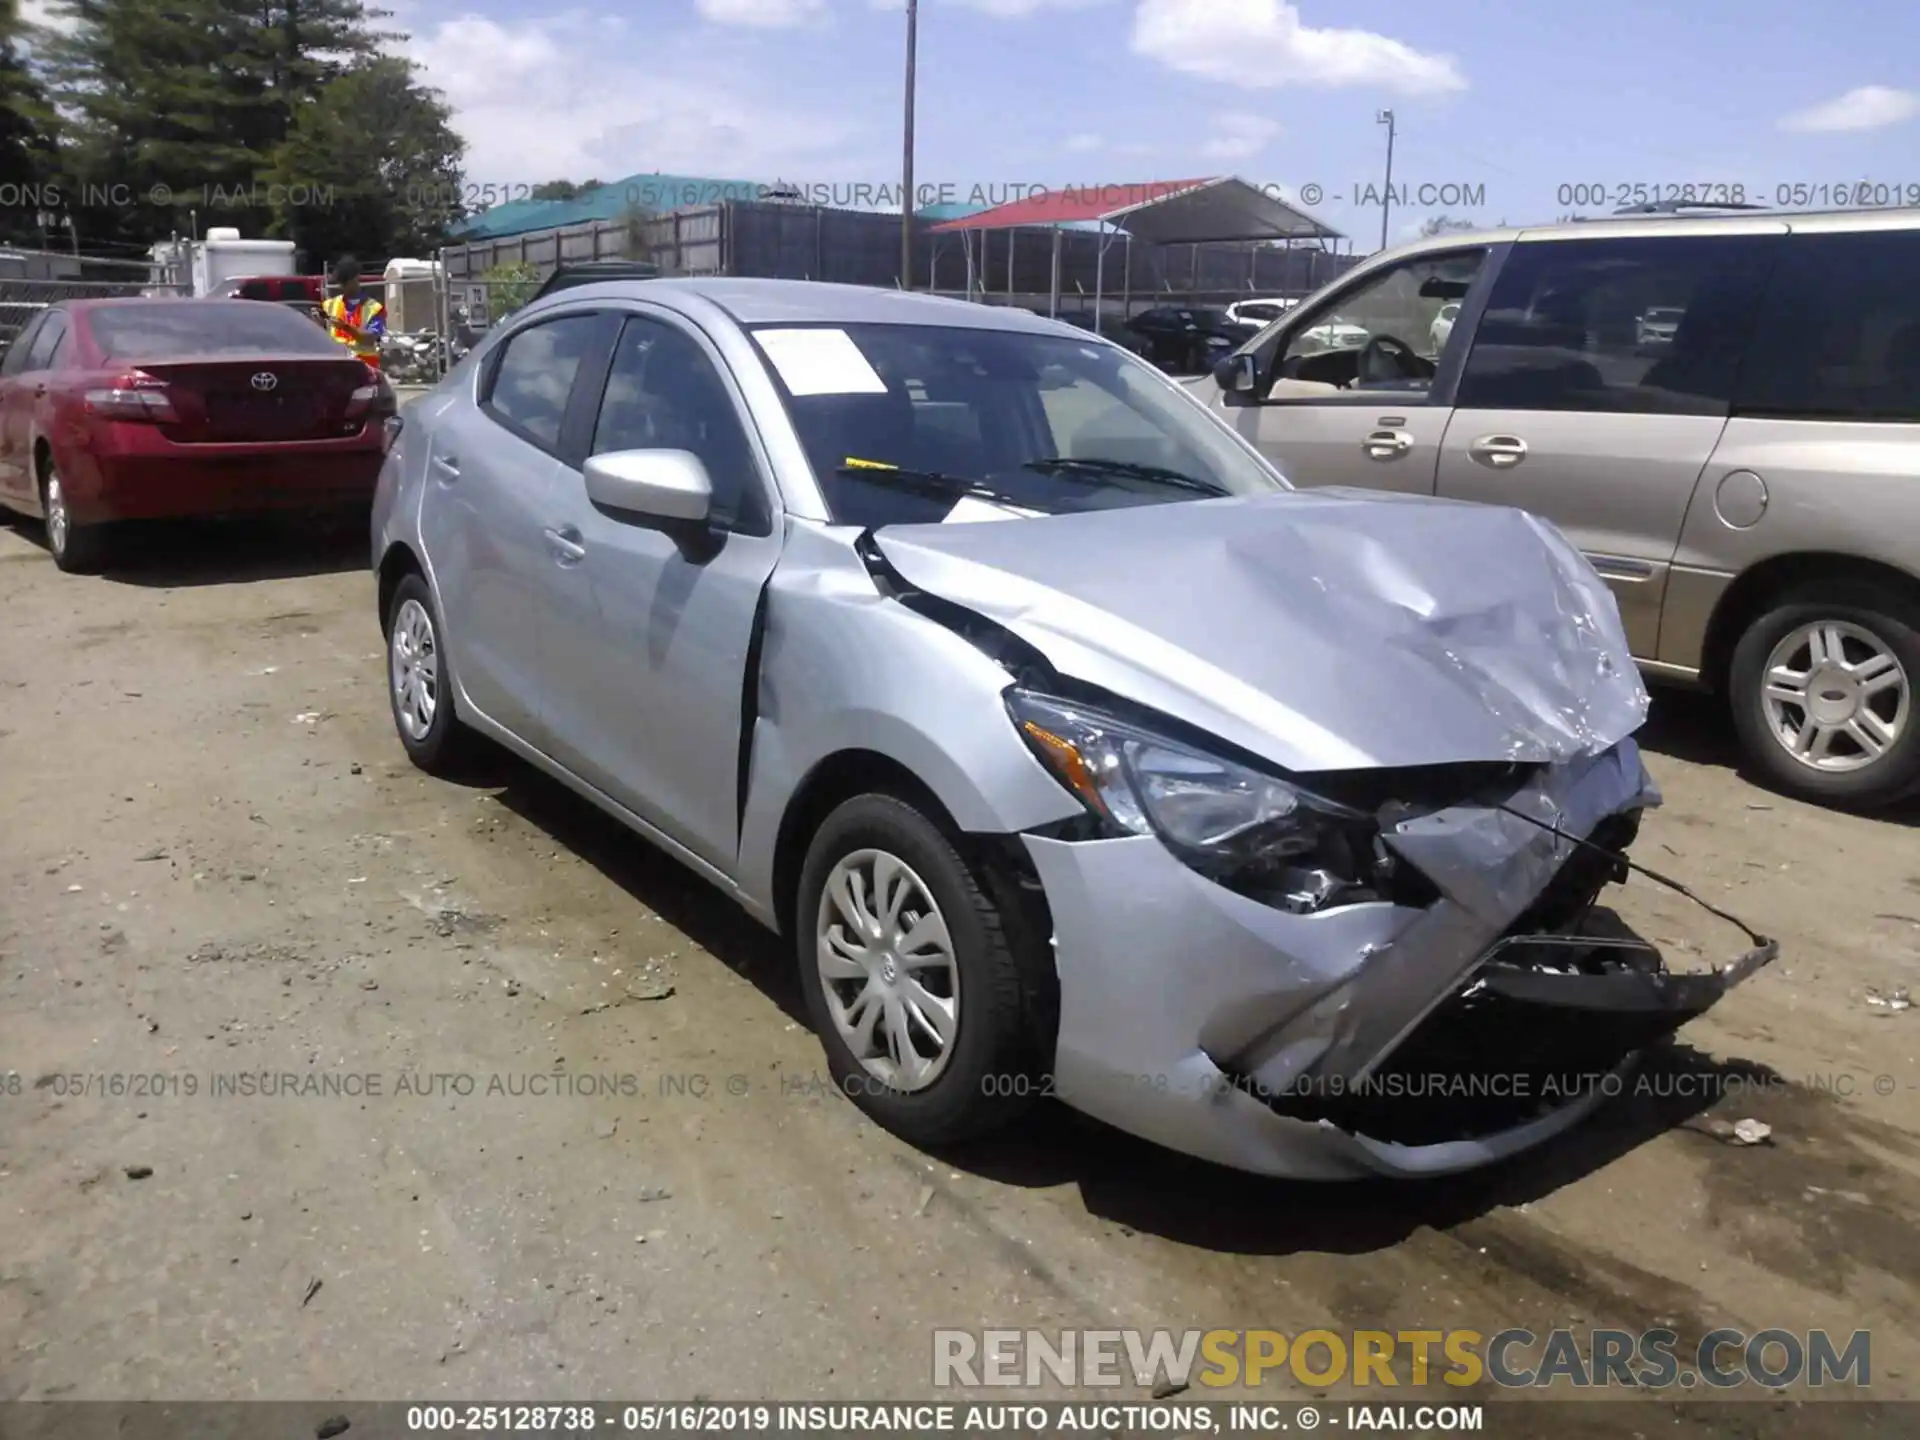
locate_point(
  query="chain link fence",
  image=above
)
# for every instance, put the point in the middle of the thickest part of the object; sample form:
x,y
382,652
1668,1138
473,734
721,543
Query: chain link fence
x,y
32,280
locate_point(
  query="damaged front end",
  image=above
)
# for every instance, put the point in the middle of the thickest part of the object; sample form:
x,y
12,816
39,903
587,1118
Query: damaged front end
x,y
1351,797
1419,988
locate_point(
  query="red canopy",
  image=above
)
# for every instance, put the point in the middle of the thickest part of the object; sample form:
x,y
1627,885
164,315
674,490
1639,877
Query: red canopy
x,y
1160,212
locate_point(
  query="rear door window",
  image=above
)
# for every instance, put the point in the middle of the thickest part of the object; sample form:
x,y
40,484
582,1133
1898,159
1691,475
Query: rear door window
x,y
40,356
1647,326
1839,332
16,360
533,377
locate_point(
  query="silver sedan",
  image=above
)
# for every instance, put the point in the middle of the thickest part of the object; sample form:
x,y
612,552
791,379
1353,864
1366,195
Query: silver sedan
x,y
1074,753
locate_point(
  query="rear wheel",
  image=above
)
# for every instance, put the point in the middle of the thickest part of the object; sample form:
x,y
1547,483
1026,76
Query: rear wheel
x,y
933,998
419,685
1822,688
77,549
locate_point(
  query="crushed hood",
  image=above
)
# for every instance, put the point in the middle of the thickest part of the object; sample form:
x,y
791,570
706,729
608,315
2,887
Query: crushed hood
x,y
1322,629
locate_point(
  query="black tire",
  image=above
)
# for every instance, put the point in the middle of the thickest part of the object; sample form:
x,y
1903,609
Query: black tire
x,y
77,549
1008,1011
446,745
1894,621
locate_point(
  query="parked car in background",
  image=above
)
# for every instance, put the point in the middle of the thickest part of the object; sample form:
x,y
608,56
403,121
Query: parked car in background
x,y
1723,413
1061,740
1655,329
1442,327
1254,316
1184,340
142,409
1337,333
592,272
302,293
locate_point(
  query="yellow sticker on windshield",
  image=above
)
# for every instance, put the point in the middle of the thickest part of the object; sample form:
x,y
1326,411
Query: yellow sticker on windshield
x,y
853,464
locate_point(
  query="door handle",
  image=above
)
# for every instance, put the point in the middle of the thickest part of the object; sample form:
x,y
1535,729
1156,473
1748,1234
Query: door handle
x,y
1500,452
447,466
1387,444
566,545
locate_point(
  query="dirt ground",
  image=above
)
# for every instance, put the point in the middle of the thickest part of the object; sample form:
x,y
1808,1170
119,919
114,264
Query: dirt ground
x,y
215,859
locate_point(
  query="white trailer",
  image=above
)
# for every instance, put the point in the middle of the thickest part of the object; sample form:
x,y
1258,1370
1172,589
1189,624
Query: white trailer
x,y
205,266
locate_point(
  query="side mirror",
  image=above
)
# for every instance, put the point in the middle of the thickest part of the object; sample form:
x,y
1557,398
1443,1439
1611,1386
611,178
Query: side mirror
x,y
1238,374
657,484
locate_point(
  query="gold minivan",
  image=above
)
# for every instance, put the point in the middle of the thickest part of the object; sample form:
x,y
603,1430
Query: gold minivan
x,y
1722,412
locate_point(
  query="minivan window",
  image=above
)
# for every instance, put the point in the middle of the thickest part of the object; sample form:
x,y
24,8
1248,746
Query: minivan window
x,y
1650,326
1839,332
1379,335
534,376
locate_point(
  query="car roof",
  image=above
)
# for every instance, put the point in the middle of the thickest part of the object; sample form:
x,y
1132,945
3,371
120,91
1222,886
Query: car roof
x,y
809,302
1725,222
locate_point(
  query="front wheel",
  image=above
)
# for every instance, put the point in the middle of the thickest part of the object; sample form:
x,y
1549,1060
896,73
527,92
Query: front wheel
x,y
933,996
1822,689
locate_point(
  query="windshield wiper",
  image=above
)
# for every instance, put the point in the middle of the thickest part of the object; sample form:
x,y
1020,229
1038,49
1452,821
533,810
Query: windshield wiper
x,y
1085,467
931,482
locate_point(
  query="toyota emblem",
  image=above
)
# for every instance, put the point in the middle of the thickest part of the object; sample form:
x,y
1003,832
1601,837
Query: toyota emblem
x,y
265,380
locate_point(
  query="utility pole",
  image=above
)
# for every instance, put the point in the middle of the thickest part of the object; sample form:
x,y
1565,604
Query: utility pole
x,y
906,159
1385,117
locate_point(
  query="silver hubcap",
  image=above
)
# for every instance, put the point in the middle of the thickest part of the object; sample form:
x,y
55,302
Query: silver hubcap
x,y
414,664
57,521
888,969
1835,696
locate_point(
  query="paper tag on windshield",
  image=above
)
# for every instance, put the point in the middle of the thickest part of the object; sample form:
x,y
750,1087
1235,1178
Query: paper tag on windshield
x,y
820,362
971,507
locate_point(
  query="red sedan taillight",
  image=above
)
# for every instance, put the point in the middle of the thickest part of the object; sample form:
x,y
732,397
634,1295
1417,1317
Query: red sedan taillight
x,y
133,396
375,399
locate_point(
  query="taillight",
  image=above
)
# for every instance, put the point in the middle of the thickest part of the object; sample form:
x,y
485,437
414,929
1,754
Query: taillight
x,y
133,396
374,399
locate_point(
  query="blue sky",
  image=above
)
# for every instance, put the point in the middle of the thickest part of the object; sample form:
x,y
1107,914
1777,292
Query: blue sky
x,y
1517,99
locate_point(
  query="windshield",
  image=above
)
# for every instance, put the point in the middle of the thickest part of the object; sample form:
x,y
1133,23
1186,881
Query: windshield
x,y
1039,422
168,328
1665,314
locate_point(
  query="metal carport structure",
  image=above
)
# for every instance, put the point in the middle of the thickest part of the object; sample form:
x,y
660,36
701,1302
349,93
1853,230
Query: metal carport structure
x,y
1219,209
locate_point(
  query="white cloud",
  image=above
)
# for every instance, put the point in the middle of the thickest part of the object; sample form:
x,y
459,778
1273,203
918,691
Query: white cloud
x,y
762,14
572,95
1263,44
1083,144
1238,136
1868,108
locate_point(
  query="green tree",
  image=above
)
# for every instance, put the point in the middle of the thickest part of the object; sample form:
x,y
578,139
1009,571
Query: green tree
x,y
180,105
29,162
510,285
372,165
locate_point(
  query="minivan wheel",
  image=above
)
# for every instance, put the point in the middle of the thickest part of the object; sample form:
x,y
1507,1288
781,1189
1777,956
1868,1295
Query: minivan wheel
x,y
1823,694
931,1000
419,684
77,549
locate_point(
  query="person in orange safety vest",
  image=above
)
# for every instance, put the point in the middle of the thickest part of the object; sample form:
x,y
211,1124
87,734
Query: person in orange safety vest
x,y
354,319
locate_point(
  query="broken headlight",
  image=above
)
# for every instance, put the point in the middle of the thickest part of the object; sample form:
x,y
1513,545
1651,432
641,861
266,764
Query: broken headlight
x,y
1255,833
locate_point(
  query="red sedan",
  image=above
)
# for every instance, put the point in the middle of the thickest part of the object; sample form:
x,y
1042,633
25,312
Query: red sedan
x,y
156,409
